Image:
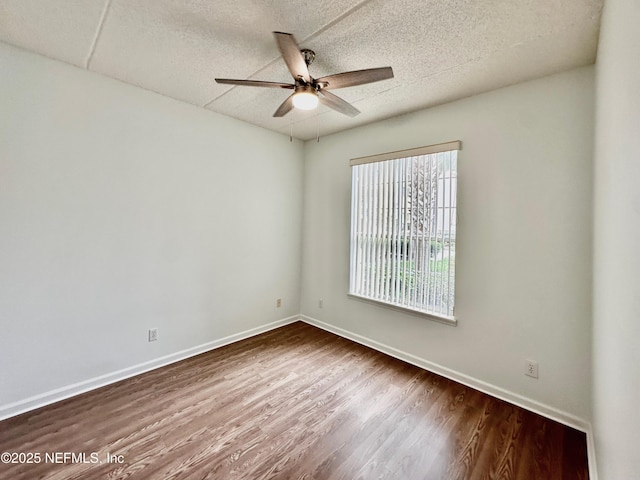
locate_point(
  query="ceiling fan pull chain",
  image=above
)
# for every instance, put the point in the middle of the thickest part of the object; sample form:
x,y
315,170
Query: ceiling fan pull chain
x,y
317,127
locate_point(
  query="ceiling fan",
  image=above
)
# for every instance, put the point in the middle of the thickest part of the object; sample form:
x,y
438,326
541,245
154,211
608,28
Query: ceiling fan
x,y
308,91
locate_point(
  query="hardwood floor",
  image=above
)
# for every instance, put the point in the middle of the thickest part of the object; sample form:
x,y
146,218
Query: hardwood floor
x,y
293,403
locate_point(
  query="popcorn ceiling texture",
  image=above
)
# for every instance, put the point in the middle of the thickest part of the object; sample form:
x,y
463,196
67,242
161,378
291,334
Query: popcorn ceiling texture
x,y
440,50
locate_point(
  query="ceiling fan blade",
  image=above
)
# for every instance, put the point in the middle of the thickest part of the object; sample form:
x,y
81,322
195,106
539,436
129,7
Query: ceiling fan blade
x,y
292,56
356,77
254,83
338,104
286,107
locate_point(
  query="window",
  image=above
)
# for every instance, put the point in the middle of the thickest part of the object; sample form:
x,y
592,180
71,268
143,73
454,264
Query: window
x,y
403,229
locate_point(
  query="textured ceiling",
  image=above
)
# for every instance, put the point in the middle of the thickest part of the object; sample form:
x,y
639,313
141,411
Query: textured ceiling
x,y
440,50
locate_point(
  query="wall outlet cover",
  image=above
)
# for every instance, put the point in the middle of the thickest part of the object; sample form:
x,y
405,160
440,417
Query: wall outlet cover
x,y
153,334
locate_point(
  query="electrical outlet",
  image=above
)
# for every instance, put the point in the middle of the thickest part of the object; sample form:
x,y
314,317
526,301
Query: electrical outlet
x,y
531,368
278,303
153,334
320,303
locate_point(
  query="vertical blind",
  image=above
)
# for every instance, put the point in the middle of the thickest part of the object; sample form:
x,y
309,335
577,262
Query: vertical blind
x,y
403,228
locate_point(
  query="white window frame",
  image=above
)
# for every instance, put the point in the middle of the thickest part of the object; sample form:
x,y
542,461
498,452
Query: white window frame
x,y
384,240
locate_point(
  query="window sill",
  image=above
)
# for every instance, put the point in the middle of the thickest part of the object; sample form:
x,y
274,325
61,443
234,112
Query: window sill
x,y
451,321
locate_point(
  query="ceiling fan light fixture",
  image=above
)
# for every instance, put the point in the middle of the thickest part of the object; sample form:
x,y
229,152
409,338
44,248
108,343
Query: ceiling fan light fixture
x,y
305,98
308,92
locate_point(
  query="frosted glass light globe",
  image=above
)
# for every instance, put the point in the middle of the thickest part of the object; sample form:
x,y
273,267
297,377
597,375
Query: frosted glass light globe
x,y
305,99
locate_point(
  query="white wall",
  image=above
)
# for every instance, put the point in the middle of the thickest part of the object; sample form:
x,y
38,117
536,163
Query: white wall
x,y
524,241
616,333
122,210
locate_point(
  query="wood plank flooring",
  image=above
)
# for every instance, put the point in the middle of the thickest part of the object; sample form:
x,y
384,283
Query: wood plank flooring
x,y
293,403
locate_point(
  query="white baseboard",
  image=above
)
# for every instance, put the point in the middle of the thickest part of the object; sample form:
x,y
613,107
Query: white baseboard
x,y
493,390
62,393
591,454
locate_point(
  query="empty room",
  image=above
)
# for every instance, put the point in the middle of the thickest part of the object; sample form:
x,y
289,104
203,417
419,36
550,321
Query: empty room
x,y
348,240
